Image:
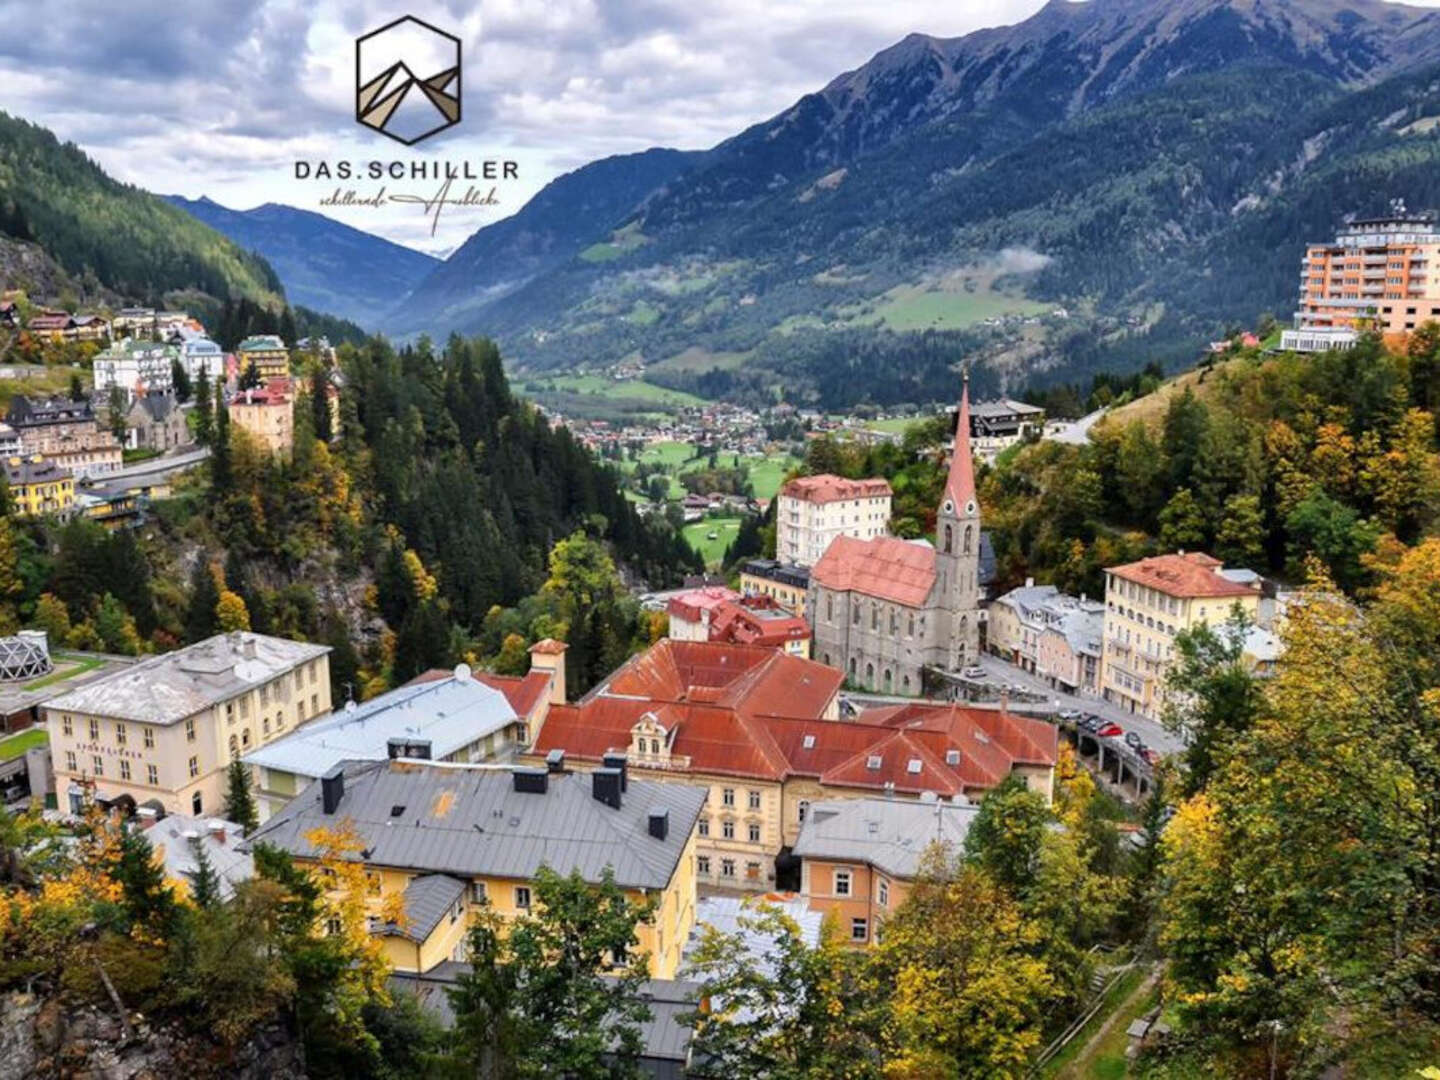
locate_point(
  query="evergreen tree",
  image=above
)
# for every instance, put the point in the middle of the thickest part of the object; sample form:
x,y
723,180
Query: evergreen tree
x,y
77,389
320,404
115,412
423,642
180,378
145,898
204,408
239,799
249,378
394,587
200,619
204,882
344,660
221,468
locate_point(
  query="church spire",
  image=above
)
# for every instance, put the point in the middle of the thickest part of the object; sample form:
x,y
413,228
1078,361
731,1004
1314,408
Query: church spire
x,y
960,485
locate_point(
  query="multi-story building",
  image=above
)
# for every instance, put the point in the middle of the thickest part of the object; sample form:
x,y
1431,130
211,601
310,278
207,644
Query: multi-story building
x,y
860,857
48,425
788,586
759,620
999,425
1381,272
156,422
1147,603
39,487
198,353
458,719
136,367
813,510
690,611
450,838
9,441
884,610
163,732
268,353
268,414
1050,634
760,730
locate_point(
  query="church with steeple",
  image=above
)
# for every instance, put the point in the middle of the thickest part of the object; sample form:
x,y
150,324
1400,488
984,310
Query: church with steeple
x,y
884,609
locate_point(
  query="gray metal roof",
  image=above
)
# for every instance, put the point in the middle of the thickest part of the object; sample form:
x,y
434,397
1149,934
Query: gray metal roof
x,y
469,821
889,834
170,837
165,689
448,713
427,899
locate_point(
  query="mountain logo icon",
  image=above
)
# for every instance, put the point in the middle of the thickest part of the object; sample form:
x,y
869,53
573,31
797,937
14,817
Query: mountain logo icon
x,y
407,80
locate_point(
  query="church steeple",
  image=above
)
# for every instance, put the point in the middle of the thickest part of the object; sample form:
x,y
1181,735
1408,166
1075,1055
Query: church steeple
x,y
960,484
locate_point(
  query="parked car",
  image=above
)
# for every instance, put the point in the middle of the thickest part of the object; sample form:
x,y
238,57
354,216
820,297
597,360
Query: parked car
x,y
1134,741
974,671
1069,714
1109,729
1090,723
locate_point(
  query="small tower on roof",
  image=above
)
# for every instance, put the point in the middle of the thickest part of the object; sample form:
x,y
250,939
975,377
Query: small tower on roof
x,y
957,544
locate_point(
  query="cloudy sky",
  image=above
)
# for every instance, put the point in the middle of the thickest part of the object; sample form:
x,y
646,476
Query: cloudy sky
x,y
222,98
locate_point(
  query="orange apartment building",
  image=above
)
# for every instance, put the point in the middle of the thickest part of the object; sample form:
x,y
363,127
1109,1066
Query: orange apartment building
x,y
1380,272
859,857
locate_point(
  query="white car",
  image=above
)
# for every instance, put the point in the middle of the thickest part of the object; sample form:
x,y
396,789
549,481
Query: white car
x,y
974,671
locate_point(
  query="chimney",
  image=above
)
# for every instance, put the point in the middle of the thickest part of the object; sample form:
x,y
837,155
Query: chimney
x,y
659,819
549,655
531,781
1004,699
216,828
555,760
146,816
247,648
606,787
1029,583
618,761
332,787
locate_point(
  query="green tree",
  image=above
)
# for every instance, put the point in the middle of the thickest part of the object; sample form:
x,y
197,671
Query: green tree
x,y
1005,838
116,628
560,992
320,404
204,408
204,882
1333,533
239,798
1240,539
1212,696
145,898
200,618
221,465
180,379
1182,523
115,412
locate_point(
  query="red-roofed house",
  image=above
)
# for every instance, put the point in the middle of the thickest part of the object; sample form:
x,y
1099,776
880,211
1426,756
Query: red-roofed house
x,y
531,694
760,620
1147,603
885,609
760,729
690,611
815,510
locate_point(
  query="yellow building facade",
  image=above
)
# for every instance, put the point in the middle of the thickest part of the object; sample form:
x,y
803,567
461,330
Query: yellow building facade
x,y
38,486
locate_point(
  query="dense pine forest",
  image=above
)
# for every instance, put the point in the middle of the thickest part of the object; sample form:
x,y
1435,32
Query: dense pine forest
x,y
438,506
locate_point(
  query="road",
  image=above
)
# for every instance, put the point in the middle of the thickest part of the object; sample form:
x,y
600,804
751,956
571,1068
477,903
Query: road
x,y
1153,732
1078,433
152,470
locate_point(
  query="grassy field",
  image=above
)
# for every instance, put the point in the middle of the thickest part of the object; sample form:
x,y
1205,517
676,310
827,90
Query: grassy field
x,y
697,359
896,425
621,242
17,744
712,551
65,668
767,474
618,389
1082,1061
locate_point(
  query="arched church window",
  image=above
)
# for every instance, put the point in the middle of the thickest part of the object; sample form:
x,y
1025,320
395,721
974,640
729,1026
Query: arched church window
x,y
949,539
968,530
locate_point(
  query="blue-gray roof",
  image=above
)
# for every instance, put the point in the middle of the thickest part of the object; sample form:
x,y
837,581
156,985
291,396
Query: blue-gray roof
x,y
469,821
450,714
889,834
427,899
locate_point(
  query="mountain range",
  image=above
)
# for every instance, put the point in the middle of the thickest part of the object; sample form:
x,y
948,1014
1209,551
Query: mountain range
x,y
1102,184
324,264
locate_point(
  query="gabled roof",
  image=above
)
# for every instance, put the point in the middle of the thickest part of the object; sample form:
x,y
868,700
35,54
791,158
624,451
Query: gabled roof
x,y
469,821
827,488
427,899
1188,574
891,835
523,692
885,567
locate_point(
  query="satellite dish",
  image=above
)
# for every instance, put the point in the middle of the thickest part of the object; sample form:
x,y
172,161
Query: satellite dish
x,y
462,672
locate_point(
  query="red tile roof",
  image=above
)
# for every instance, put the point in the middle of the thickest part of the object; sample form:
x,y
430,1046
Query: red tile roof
x,y
754,622
549,647
708,709
902,571
1186,574
827,488
689,605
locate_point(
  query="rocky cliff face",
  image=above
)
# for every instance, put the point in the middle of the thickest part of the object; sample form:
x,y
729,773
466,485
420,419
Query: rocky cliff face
x,y
42,1038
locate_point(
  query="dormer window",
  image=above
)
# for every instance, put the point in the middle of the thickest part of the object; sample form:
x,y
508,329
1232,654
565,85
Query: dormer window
x,y
913,766
808,742
873,762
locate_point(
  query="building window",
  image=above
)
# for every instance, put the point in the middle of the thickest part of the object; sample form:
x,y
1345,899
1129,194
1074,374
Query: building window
x,y
197,804
801,810
229,712
194,767
702,864
727,796
149,738
704,827
727,868
99,765
234,747
754,833
727,830
842,882
152,775
949,539
754,800
124,769
190,730
884,893
314,703
522,897
859,929
70,761
477,893
372,883
94,729
67,725
333,927
245,737
855,615
265,725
